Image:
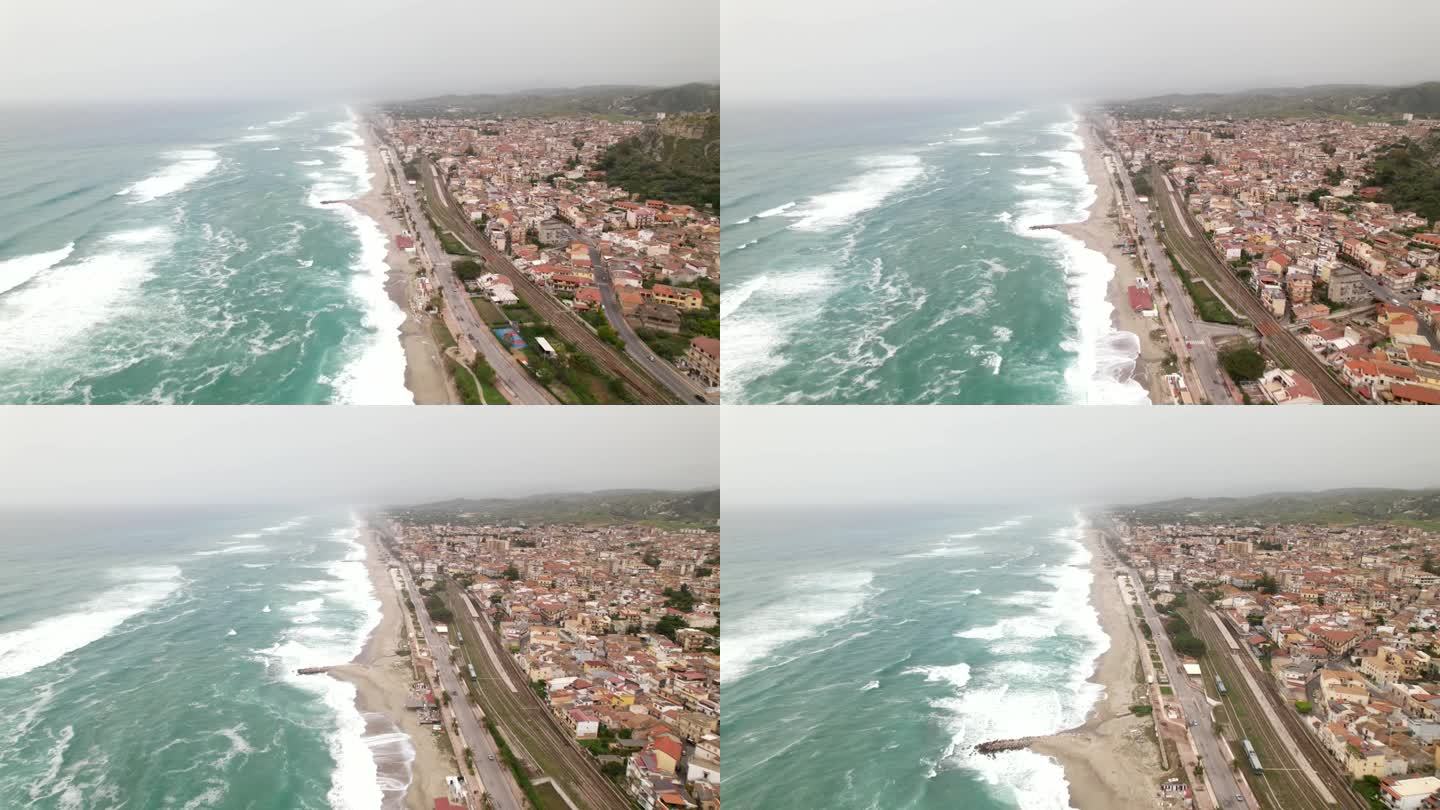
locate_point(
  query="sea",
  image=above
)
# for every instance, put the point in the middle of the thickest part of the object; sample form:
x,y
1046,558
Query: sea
x,y
868,651
885,255
147,660
183,254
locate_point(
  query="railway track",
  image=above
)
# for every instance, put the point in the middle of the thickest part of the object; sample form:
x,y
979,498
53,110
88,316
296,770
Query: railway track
x,y
1192,249
566,323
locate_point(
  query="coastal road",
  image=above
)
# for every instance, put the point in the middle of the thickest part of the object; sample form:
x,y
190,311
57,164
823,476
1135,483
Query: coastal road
x,y
513,380
1214,754
684,388
529,727
566,323
1192,249
488,765
1203,359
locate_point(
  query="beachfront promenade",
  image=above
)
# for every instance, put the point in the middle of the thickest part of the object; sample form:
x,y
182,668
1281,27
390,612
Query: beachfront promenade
x,y
494,783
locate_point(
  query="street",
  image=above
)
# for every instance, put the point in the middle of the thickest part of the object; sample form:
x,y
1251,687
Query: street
x,y
513,381
487,763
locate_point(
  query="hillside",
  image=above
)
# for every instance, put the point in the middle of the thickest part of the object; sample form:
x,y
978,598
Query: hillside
x,y
677,161
595,100
1410,174
697,509
1318,100
1340,506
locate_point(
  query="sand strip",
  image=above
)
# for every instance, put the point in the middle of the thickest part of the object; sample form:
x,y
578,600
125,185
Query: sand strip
x,y
382,682
1100,232
1110,761
425,373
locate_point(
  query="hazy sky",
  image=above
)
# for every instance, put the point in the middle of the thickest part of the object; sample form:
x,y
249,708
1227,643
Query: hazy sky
x,y
357,50
271,454
1074,455
1066,49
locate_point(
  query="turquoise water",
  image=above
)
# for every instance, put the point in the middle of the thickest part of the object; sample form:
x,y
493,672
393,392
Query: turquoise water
x,y
121,685
886,256
183,255
868,651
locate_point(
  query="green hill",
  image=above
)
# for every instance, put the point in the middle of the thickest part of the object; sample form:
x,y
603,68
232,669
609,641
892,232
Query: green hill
x,y
677,161
1330,507
1410,174
699,509
1292,102
618,100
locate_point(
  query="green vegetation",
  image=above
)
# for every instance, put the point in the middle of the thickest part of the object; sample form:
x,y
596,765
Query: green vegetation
x,y
604,508
1209,307
1141,181
1340,100
668,625
619,101
675,168
468,269
1142,709
682,600
1180,636
1369,787
1409,173
1242,363
1419,508
521,776
438,610
1303,706
511,572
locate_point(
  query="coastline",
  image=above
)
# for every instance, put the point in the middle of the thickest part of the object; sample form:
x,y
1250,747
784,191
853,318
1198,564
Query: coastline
x,y
382,683
1099,233
425,374
1110,760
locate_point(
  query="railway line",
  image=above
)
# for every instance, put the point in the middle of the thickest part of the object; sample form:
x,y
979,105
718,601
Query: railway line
x,y
1296,773
566,323
1192,250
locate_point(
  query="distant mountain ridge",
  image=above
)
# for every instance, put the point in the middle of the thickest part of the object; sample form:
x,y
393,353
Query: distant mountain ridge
x,y
1288,102
699,508
696,97
1337,506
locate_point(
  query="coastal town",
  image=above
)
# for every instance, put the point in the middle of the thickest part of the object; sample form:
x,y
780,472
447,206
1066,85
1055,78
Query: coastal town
x,y
1298,660
590,655
1279,273
556,284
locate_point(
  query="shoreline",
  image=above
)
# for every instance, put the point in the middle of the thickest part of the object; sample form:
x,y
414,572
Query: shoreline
x,y
382,681
425,375
1099,233
1103,757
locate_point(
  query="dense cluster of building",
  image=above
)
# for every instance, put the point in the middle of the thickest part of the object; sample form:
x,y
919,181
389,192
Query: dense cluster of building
x,y
1283,202
615,627
532,187
1347,620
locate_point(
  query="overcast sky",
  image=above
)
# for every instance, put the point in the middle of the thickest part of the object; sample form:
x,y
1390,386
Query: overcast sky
x,y
269,454
1066,455
350,50
1066,49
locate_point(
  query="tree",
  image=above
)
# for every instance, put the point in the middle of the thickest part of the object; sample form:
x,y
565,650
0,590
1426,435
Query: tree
x,y
511,572
1267,584
668,624
468,269
650,559
1303,706
1243,363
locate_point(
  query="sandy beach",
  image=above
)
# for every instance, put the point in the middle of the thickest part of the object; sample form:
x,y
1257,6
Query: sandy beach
x,y
382,682
425,374
1100,232
1110,761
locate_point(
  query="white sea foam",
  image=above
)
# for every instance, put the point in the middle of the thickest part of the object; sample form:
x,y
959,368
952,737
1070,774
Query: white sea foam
x,y
1105,357
987,154
744,245
375,371
244,548
760,314
17,271
1017,697
957,675
309,163
744,221
770,212
969,140
811,604
871,685
1009,119
883,175
349,613
188,166
55,307
136,590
